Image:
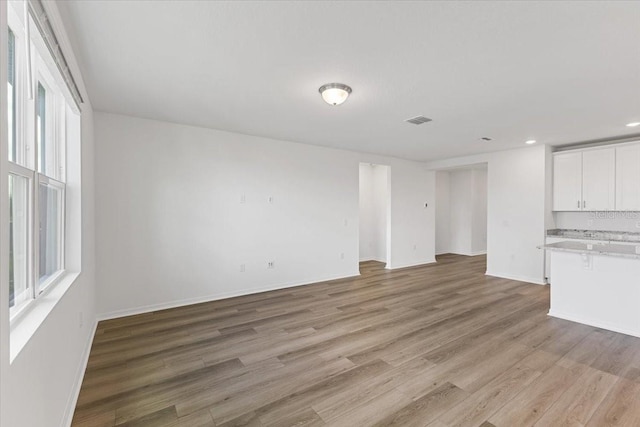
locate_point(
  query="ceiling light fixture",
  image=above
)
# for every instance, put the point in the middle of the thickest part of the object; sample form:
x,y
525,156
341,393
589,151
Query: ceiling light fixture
x,y
633,124
531,141
334,93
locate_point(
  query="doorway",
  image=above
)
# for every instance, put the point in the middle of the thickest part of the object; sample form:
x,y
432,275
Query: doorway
x,y
374,213
461,210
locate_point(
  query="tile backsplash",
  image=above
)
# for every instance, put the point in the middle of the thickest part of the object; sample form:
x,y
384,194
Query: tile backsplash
x,y
613,221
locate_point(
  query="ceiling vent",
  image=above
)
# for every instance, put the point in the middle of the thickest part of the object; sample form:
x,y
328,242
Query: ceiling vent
x,y
418,120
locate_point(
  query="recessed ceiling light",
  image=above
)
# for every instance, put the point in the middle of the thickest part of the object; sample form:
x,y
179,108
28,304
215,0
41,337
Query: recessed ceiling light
x,y
531,141
334,93
633,124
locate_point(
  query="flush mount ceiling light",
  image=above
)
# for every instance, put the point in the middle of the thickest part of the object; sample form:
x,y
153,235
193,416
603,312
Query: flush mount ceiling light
x,y
633,124
334,93
531,141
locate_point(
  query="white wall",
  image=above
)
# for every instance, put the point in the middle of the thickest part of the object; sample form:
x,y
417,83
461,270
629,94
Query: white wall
x,y
516,210
374,205
172,227
366,214
461,211
479,216
381,206
443,213
45,376
41,384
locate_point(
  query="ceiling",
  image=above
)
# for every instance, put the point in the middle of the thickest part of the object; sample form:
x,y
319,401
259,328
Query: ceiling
x,y
558,72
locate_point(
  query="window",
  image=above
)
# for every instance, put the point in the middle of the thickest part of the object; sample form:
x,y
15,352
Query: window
x,y
19,291
11,101
41,128
37,178
50,240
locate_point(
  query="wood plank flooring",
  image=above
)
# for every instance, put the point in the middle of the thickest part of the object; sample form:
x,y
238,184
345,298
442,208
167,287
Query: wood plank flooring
x,y
441,345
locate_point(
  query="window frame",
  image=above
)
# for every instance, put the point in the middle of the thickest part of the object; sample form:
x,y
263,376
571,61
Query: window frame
x,y
39,288
21,112
26,158
21,171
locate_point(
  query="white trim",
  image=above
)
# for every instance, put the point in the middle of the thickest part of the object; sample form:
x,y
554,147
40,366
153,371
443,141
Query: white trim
x,y
371,259
82,367
38,310
396,267
213,297
55,19
467,253
519,278
4,228
597,324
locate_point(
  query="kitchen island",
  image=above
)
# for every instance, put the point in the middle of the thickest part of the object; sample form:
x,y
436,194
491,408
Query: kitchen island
x,y
596,284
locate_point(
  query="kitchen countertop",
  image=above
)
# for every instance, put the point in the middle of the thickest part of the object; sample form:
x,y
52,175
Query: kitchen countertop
x,y
623,251
614,236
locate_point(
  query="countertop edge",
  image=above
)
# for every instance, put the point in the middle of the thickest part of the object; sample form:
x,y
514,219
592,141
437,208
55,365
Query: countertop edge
x,y
591,252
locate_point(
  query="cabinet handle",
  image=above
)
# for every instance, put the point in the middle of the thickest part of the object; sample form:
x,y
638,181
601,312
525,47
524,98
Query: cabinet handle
x,y
584,204
578,203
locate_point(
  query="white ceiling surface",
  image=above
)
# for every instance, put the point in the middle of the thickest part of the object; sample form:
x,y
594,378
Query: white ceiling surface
x,y
557,72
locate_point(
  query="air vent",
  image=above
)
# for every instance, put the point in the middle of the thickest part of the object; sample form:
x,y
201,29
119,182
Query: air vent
x,y
418,120
485,138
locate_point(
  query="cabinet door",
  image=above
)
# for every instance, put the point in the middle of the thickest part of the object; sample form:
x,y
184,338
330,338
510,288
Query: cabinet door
x,y
628,178
567,181
599,180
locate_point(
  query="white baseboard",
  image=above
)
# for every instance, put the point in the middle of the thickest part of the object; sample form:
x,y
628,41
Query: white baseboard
x,y
371,259
79,376
396,267
478,253
516,277
468,253
594,323
213,297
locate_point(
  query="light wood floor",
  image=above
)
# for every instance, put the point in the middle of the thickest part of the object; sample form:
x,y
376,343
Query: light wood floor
x,y
439,345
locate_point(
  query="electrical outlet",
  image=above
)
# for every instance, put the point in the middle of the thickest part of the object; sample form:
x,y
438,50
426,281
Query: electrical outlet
x,y
341,255
243,199
242,268
270,199
271,264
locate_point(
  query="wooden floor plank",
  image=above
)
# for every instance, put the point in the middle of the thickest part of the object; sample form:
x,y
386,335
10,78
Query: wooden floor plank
x,y
441,345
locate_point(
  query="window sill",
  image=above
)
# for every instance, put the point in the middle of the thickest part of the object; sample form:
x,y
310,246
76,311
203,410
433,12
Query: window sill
x,y
26,325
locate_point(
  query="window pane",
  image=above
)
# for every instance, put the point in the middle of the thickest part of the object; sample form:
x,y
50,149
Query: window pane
x,y
18,240
50,210
11,95
41,128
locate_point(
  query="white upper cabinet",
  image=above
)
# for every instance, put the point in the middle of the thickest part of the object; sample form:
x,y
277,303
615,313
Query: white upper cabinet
x,y
599,180
567,181
628,178
584,180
